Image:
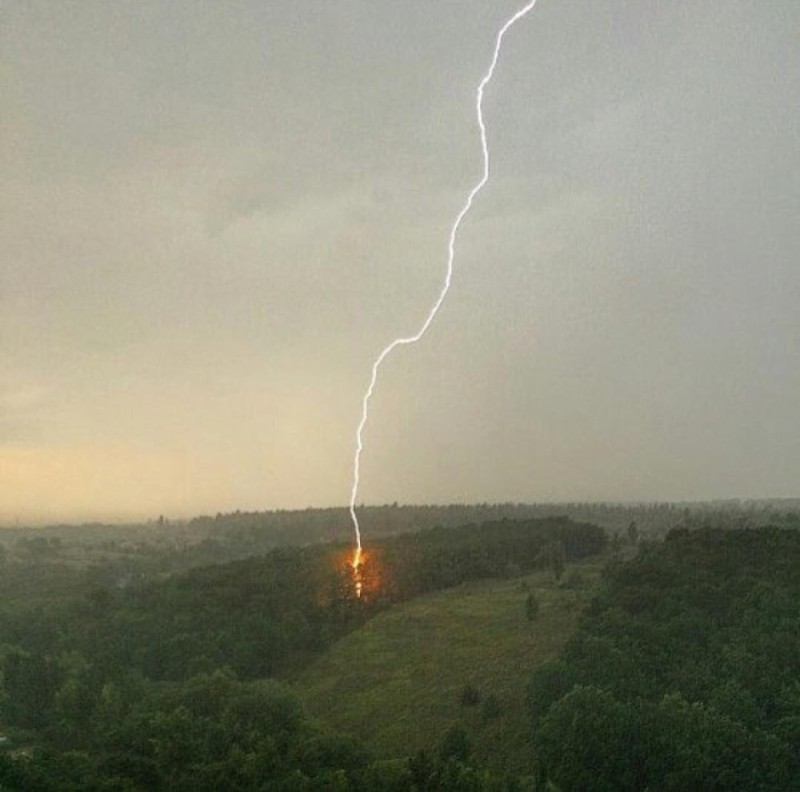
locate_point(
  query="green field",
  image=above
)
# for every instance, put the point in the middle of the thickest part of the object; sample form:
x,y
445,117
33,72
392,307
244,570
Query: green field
x,y
397,681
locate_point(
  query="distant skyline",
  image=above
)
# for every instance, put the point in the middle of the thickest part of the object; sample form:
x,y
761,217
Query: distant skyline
x,y
214,215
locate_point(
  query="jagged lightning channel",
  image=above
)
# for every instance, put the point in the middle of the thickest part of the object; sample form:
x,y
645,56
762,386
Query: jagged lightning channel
x,y
412,339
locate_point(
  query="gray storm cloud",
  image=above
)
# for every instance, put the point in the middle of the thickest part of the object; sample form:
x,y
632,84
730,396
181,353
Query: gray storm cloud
x,y
214,216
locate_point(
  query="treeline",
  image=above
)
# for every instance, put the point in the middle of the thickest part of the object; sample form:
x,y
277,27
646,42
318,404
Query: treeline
x,y
416,563
164,545
654,520
685,674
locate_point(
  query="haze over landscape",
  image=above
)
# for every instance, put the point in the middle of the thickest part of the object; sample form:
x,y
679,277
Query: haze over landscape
x,y
215,215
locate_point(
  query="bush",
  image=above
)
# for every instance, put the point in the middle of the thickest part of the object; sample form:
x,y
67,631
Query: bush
x,y
455,745
490,708
574,580
531,607
470,695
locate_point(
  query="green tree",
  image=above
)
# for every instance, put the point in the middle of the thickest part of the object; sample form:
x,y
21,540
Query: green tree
x,y
588,740
31,682
531,607
470,695
455,744
552,557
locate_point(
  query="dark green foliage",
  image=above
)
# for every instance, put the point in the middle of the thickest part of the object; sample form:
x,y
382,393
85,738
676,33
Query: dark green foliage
x,y
137,686
590,740
209,733
30,685
552,556
470,695
574,580
531,607
455,744
685,675
423,769
43,565
389,775
440,558
254,616
260,616
450,772
490,708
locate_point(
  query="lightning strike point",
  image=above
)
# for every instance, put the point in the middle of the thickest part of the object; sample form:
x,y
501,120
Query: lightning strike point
x,y
356,565
413,339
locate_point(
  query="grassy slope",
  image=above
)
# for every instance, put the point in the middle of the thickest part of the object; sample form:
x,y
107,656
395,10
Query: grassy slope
x,y
397,681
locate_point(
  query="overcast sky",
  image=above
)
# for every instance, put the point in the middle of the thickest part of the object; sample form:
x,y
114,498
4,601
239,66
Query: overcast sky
x,y
214,214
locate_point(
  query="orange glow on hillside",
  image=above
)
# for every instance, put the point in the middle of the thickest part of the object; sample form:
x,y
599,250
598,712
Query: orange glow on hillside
x,y
360,575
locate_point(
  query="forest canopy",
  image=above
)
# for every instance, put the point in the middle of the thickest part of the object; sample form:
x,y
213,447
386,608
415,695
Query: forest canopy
x,y
685,673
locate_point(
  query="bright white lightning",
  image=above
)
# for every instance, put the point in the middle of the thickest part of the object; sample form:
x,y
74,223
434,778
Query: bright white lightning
x,y
412,339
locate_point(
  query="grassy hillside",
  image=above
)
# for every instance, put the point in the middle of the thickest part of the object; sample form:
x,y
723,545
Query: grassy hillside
x,y
397,682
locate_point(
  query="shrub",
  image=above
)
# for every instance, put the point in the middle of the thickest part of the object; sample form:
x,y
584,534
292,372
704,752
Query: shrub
x,y
470,695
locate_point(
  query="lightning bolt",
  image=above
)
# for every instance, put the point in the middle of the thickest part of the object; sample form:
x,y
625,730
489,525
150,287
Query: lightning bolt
x,y
412,339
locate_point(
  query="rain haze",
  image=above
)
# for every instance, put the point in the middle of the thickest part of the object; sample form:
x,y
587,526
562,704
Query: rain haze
x,y
215,215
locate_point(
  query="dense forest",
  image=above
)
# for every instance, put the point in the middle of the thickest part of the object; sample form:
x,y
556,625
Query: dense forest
x,y
160,684
683,674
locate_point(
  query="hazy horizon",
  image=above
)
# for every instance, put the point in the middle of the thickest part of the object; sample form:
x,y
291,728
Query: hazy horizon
x,y
215,216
